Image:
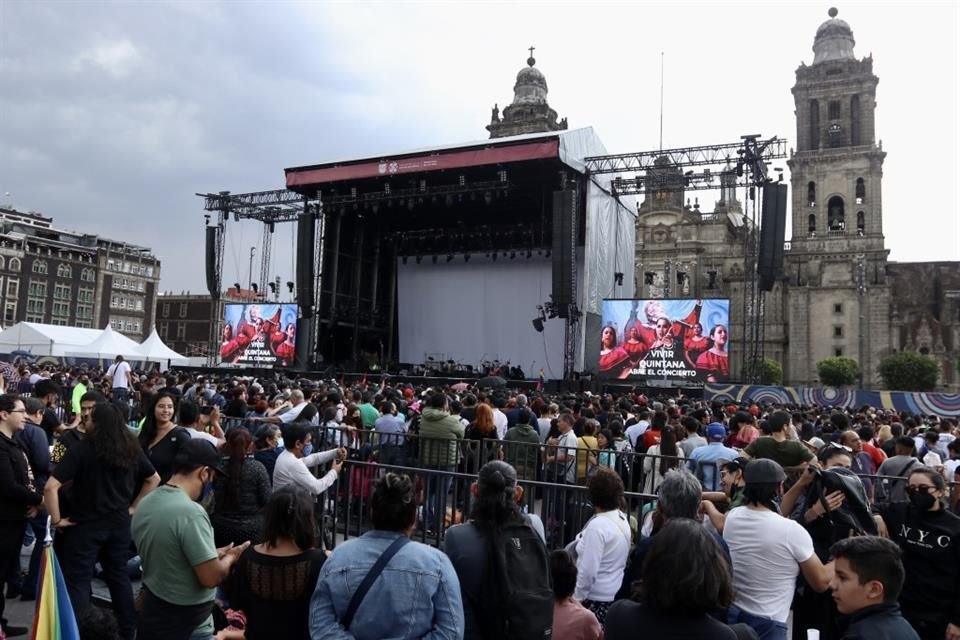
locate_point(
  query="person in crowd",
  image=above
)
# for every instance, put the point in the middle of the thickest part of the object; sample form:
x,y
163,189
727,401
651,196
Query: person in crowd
x,y
33,441
571,620
236,406
240,496
110,475
788,454
693,439
497,496
190,419
298,404
867,438
603,545
268,446
119,374
862,463
606,453
500,421
416,593
545,421
160,436
19,498
651,436
768,551
951,473
612,357
481,435
732,494
743,430
272,582
440,436
587,449
929,537
703,461
294,463
867,581
520,446
70,437
660,458
181,565
898,465
685,579
391,431
561,455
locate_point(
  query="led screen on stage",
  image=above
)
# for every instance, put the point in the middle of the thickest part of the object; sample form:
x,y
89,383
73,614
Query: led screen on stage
x,y
259,335
671,340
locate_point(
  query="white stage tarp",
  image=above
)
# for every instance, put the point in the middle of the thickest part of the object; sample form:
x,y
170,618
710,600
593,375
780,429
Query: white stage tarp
x,y
108,345
153,349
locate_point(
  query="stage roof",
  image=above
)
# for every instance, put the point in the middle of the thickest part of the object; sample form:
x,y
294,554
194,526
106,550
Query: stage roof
x,y
568,147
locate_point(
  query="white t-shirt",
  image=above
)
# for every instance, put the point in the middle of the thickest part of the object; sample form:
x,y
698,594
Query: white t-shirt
x,y
950,469
766,550
602,549
500,422
567,445
120,372
203,435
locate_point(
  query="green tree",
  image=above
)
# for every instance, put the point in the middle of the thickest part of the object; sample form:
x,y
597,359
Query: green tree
x,y
838,371
771,372
908,371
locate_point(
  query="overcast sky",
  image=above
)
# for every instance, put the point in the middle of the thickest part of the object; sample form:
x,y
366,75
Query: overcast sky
x,y
113,114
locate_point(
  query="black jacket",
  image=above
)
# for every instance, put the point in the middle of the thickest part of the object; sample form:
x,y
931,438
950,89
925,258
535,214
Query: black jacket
x,y
17,493
880,622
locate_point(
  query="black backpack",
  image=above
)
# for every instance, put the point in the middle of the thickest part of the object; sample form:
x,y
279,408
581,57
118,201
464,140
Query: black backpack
x,y
522,594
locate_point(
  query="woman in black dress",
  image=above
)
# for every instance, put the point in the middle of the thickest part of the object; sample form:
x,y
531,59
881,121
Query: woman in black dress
x,y
160,436
240,496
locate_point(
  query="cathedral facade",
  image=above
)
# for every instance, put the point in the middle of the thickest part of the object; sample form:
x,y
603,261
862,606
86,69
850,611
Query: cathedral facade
x,y
838,294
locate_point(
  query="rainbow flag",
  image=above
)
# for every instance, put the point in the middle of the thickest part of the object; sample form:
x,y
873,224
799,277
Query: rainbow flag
x,y
54,619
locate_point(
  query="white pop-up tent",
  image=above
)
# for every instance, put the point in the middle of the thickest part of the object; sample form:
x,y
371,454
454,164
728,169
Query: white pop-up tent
x,y
108,345
154,350
45,339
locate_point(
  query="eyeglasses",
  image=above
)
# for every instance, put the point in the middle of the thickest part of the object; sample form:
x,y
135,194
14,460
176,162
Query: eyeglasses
x,y
920,488
17,411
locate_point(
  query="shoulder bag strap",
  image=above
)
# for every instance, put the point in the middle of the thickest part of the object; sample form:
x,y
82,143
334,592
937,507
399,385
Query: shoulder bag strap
x,y
370,578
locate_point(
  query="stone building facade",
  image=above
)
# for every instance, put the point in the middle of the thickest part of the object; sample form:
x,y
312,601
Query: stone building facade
x,y
529,112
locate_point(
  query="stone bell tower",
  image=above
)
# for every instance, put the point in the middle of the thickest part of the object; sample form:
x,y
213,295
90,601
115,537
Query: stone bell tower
x,y
529,111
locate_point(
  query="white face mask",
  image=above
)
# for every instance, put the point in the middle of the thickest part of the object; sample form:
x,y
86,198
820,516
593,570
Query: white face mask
x,y
280,442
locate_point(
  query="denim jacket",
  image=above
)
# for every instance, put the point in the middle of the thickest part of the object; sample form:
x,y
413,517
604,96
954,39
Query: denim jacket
x,y
416,596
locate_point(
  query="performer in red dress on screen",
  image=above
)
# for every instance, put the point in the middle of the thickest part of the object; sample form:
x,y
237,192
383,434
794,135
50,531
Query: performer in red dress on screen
x,y
715,362
696,343
284,345
612,357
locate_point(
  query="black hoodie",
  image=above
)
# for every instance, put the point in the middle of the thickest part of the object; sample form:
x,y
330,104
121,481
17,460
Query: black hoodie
x,y
930,541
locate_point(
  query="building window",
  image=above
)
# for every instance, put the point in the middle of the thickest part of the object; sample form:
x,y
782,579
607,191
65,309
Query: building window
x,y
14,264
2,263
811,225
37,289
61,292
138,305
64,271
13,287
165,310
85,295
855,120
32,317
861,191
35,306
88,275
838,352
85,311
183,309
835,219
162,330
39,266
837,331
833,110
838,307
812,193
10,313
814,124
181,330
61,309
861,224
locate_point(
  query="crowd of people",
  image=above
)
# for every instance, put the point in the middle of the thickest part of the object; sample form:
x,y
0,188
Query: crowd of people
x,y
699,519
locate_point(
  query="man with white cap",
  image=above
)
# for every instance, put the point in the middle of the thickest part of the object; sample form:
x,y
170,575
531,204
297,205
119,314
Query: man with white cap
x,y
767,551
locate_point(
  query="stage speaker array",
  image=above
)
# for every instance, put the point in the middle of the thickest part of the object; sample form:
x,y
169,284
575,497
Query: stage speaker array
x,y
213,286
306,239
772,226
563,249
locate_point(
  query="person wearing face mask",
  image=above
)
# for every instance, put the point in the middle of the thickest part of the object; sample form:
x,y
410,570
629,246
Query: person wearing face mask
x,y
110,476
929,537
294,464
181,565
268,446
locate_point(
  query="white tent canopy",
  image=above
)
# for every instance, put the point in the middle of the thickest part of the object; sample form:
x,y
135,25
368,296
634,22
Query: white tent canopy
x,y
154,350
108,345
45,339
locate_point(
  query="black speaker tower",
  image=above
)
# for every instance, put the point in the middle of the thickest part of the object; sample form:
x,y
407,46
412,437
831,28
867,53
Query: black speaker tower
x,y
772,226
306,238
213,282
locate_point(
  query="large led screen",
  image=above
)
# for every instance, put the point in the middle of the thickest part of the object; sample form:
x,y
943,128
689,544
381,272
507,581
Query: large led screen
x,y
678,340
259,335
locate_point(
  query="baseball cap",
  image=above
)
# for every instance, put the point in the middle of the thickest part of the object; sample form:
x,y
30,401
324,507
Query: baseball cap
x,y
763,471
716,431
199,453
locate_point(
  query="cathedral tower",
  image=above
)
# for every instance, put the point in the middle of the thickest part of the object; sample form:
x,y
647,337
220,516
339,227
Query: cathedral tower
x,y
838,299
529,111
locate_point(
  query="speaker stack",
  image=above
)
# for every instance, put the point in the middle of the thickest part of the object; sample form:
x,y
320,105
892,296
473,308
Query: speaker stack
x,y
306,239
772,226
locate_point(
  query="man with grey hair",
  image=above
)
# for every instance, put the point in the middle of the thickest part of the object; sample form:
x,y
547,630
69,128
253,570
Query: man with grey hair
x,y
680,496
513,416
292,414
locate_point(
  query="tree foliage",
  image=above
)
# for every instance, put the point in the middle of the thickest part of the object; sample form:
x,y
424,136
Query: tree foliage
x,y
908,371
771,372
838,371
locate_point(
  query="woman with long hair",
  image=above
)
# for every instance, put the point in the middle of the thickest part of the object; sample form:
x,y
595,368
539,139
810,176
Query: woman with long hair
x,y
612,356
660,458
160,436
714,362
240,496
497,496
110,475
479,446
273,581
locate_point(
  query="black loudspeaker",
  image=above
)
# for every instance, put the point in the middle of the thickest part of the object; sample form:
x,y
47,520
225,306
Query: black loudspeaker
x,y
563,249
772,226
213,286
306,238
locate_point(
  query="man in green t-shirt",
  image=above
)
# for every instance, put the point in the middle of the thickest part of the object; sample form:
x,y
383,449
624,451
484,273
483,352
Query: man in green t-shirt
x,y
789,454
181,565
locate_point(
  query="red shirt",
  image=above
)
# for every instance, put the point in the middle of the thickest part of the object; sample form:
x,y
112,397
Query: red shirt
x,y
876,454
650,438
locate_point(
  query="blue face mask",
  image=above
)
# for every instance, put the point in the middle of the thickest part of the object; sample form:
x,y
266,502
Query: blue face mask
x,y
308,449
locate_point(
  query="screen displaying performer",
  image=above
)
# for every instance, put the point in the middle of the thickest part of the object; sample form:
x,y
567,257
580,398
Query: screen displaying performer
x,y
259,334
674,339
